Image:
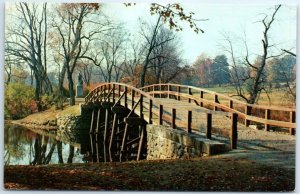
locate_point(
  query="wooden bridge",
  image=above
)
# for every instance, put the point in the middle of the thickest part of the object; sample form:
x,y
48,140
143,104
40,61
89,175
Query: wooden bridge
x,y
128,110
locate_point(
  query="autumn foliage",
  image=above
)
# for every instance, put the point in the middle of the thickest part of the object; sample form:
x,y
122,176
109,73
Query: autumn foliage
x,y
19,101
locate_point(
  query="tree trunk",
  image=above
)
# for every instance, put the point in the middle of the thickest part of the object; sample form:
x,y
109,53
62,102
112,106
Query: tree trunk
x,y
59,152
37,91
71,154
61,80
71,88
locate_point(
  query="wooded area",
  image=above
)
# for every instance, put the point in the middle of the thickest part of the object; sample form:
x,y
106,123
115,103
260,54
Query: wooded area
x,y
47,45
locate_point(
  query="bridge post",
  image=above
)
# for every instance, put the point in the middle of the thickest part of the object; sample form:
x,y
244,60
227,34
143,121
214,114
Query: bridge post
x,y
216,101
150,111
178,90
173,118
247,112
201,96
292,120
209,125
161,110
267,116
160,90
189,127
141,107
108,92
113,93
190,93
119,90
233,133
132,99
230,104
125,97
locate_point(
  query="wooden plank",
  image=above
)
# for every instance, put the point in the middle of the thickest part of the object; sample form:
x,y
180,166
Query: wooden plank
x,y
114,127
133,141
123,142
140,145
98,120
92,122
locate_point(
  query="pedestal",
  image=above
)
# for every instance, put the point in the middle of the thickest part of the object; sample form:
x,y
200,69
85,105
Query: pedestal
x,y
79,91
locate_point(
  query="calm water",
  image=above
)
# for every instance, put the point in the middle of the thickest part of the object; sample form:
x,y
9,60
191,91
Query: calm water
x,y
25,147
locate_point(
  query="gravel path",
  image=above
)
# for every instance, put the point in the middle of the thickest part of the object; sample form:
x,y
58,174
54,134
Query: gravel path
x,y
268,147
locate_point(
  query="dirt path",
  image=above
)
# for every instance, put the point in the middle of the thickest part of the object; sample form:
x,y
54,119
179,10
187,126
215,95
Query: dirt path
x,y
270,148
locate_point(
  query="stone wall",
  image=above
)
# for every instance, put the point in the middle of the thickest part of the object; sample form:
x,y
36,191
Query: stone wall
x,y
168,143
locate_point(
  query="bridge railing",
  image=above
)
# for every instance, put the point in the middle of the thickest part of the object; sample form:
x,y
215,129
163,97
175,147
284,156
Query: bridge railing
x,y
149,108
266,115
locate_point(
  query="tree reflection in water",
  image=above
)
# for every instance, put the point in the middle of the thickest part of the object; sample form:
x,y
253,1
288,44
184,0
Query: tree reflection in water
x,y
22,146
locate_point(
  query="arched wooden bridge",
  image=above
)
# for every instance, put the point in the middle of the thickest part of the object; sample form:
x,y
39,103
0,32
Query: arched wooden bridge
x,y
127,110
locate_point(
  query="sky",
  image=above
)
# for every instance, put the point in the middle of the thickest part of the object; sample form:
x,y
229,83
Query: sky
x,y
234,19
237,20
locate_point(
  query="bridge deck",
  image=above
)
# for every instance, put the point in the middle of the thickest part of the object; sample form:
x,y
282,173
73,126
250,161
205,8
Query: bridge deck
x,y
221,122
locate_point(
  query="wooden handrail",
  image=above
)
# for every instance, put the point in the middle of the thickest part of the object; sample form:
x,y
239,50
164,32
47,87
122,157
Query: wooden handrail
x,y
228,108
223,96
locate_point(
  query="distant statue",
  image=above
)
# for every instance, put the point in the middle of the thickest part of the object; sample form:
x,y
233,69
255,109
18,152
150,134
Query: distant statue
x,y
80,81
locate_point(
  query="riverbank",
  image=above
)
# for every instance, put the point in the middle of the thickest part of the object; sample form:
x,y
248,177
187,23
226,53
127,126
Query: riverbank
x,y
215,173
47,120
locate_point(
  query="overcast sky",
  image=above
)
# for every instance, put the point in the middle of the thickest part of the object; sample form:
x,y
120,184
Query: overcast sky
x,y
231,18
234,19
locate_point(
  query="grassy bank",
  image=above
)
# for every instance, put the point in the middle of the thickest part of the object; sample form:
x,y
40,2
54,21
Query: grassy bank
x,y
201,174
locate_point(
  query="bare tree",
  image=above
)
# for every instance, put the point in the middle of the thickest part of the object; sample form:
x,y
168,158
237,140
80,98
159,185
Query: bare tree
x,y
151,34
71,25
27,41
255,78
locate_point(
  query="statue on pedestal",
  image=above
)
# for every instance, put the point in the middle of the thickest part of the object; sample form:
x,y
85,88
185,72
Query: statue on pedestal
x,y
79,87
80,81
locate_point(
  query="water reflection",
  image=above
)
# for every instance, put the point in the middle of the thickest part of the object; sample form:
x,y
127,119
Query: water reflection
x,y
25,147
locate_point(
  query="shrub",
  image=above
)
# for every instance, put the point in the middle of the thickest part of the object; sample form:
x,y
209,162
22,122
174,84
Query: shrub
x,y
19,101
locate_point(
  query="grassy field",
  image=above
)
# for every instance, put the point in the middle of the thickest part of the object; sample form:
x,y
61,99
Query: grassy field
x,y
278,97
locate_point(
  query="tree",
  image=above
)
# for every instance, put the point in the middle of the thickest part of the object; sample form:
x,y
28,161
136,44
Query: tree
x,y
153,40
203,70
256,77
166,57
27,41
220,70
75,40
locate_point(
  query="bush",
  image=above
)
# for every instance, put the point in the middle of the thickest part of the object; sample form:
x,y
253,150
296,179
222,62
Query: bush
x,y
19,101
